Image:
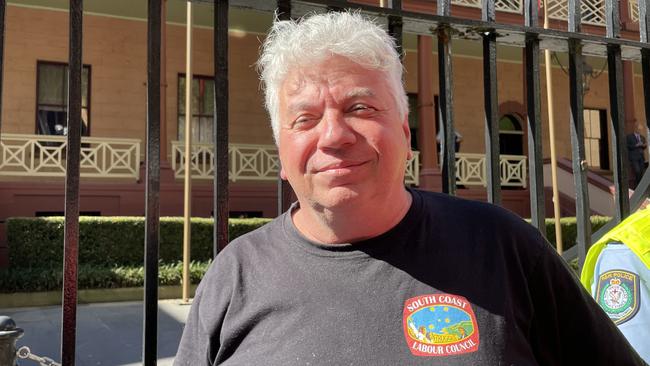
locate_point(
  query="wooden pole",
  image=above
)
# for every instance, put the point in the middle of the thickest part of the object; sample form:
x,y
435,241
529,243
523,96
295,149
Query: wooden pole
x,y
551,136
187,198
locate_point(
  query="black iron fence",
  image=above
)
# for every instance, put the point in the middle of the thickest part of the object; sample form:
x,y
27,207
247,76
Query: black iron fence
x,y
442,25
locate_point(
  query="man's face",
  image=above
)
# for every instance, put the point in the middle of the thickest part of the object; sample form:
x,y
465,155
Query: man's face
x,y
341,140
640,129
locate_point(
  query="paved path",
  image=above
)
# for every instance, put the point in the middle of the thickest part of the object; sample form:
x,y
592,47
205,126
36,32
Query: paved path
x,y
107,334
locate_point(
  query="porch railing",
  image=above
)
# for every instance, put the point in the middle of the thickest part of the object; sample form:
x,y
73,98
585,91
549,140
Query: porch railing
x,y
507,6
471,170
593,11
249,162
45,156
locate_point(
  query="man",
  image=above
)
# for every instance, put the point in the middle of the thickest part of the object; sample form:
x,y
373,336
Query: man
x,y
636,145
362,271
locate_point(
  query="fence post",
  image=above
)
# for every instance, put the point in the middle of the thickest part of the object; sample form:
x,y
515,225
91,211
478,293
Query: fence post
x,y
9,334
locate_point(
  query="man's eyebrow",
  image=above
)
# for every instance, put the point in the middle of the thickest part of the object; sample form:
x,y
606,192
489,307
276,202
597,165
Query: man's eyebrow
x,y
300,106
360,92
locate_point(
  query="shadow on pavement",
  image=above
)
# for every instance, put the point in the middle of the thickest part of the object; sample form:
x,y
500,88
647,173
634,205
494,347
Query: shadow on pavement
x,y
107,334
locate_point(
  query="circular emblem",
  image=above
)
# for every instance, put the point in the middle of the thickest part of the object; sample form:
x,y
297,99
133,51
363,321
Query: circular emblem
x,y
615,296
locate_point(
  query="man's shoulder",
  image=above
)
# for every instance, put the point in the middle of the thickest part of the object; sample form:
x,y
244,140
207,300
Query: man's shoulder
x,y
453,207
253,244
480,221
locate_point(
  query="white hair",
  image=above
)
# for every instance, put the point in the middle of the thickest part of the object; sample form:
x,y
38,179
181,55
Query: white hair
x,y
313,39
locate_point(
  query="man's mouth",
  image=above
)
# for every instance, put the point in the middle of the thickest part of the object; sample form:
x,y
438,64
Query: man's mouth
x,y
341,167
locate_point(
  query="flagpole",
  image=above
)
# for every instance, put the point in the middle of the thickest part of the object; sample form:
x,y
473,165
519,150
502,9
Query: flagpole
x,y
551,133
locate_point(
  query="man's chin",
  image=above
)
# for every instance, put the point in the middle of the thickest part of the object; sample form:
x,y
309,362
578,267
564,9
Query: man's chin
x,y
339,197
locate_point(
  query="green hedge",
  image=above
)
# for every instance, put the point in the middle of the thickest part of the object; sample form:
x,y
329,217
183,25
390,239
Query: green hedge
x,y
89,277
569,229
111,250
110,241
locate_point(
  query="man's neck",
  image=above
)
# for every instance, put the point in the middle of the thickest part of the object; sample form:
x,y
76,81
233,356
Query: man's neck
x,y
352,223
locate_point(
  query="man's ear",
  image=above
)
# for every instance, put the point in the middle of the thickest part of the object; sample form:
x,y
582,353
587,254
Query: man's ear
x,y
407,134
283,175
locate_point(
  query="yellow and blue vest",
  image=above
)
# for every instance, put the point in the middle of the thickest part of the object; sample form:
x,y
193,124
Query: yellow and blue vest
x,y
617,274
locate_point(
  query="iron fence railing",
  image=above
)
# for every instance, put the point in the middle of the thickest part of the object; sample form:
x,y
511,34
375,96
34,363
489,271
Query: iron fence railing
x,y
442,26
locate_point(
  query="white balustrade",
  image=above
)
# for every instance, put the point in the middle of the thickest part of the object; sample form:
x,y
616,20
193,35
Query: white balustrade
x,y
45,156
249,162
470,170
507,6
633,6
593,11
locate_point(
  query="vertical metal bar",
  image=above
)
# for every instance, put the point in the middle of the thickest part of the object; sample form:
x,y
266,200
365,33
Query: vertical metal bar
x,y
533,105
576,91
644,21
284,189
531,13
3,7
152,209
617,111
73,149
395,24
446,101
220,234
491,105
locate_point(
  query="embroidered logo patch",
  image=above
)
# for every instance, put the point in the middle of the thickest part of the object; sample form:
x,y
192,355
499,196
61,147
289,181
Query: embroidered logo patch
x,y
617,293
440,325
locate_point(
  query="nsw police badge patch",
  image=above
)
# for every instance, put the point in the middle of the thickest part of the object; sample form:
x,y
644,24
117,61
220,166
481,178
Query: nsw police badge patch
x,y
440,325
617,293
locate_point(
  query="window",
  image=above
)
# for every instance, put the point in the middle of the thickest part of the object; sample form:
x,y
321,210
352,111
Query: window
x,y
52,99
202,109
511,136
596,141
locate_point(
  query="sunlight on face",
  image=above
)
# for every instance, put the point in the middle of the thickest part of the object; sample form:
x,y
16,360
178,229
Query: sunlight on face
x,y
342,139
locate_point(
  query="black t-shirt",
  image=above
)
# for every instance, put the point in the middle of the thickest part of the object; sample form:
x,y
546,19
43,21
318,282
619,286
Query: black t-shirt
x,y
456,282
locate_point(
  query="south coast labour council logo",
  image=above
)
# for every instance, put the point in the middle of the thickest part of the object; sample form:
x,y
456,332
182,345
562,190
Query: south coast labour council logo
x,y
617,293
440,325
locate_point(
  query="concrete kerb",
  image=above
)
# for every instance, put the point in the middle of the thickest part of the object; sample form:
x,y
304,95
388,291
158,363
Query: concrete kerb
x,y
30,299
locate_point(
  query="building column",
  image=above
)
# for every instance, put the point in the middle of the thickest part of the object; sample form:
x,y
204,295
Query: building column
x,y
430,178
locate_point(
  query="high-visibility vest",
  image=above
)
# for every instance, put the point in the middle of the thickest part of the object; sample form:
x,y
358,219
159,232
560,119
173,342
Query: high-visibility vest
x,y
617,274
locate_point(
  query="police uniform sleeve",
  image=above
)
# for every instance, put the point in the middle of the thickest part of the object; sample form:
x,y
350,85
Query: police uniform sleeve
x,y
567,326
200,342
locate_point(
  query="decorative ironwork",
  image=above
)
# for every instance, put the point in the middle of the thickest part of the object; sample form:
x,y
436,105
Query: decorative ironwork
x,y
470,170
251,162
44,156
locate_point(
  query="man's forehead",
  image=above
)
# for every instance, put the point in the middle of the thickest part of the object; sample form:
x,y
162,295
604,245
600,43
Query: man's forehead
x,y
299,81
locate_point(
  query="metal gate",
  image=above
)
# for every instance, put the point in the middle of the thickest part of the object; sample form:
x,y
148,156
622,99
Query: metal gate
x,y
442,26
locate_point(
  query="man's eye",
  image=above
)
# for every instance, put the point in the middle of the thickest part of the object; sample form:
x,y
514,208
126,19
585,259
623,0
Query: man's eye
x,y
303,120
361,108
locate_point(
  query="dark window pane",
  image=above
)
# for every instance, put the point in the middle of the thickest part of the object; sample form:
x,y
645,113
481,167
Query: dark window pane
x,y
195,96
50,84
207,100
51,116
85,77
181,95
52,120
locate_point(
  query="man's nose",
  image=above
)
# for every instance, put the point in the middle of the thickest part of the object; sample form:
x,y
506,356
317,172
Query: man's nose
x,y
335,131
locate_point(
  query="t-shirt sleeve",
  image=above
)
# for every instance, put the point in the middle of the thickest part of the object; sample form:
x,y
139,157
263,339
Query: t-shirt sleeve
x,y
568,327
200,342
